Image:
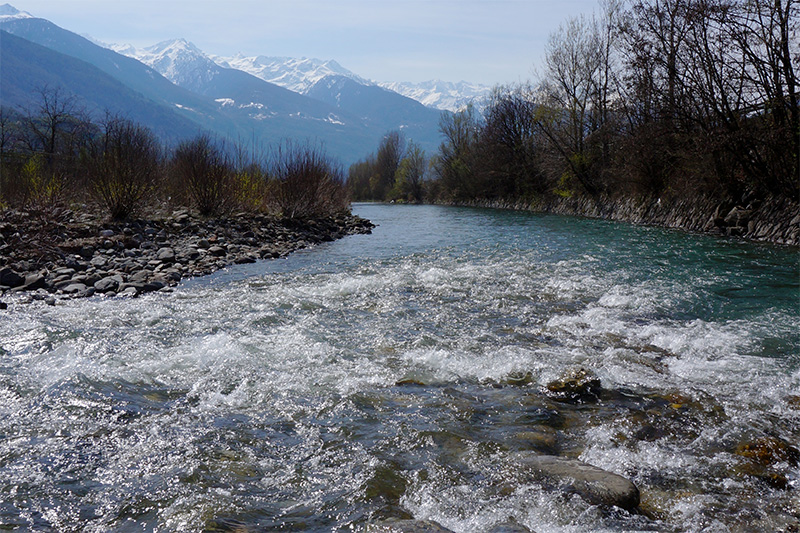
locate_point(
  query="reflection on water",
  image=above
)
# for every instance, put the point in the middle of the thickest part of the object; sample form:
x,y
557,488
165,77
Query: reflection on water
x,y
394,375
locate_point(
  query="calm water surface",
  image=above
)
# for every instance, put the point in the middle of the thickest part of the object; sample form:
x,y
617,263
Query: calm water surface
x,y
395,374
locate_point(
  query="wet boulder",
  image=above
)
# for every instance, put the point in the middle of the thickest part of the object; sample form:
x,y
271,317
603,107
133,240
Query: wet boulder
x,y
579,385
593,484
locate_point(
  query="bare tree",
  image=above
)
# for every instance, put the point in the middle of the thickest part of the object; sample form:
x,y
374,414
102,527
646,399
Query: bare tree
x,y
457,154
123,164
573,82
206,171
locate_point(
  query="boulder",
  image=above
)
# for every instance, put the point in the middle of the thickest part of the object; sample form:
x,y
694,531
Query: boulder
x,y
593,484
108,284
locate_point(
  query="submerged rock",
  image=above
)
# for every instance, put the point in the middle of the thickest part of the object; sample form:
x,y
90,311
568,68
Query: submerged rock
x,y
407,526
593,484
769,451
518,379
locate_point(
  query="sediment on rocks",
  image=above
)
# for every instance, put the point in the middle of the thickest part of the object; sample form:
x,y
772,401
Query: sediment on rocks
x,y
67,254
775,220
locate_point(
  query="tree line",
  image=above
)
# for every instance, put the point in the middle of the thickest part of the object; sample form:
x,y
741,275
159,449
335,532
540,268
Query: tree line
x,y
647,98
55,155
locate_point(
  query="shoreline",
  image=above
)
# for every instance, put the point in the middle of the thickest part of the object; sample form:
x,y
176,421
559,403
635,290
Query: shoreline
x,y
772,220
70,255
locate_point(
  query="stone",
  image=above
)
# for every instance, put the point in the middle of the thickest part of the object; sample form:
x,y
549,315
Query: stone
x,y
244,259
129,292
217,251
165,255
518,379
33,281
769,451
108,284
107,233
154,285
137,287
406,526
576,386
593,484
9,278
542,439
139,277
73,288
3,306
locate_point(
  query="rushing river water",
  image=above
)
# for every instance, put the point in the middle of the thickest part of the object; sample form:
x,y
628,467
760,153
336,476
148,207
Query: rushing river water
x,y
395,374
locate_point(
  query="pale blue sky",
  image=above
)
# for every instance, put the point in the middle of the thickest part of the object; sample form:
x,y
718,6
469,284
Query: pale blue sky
x,y
483,41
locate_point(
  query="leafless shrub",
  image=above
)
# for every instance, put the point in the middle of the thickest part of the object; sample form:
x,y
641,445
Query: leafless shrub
x,y
306,182
204,170
123,167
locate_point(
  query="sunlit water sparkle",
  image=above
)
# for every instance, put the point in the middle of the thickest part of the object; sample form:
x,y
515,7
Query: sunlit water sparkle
x,y
266,396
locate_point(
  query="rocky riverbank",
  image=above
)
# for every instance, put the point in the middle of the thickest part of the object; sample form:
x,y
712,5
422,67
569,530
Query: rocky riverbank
x,y
67,255
775,220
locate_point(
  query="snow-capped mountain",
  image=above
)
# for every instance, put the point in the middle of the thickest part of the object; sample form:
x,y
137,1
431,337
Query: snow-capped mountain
x,y
441,94
295,74
178,60
300,75
9,12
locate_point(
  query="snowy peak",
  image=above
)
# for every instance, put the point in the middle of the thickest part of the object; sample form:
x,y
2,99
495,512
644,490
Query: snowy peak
x,y
295,74
178,60
174,47
9,12
442,94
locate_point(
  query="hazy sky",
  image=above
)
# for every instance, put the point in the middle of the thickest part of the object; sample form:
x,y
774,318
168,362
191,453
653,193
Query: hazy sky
x,y
484,41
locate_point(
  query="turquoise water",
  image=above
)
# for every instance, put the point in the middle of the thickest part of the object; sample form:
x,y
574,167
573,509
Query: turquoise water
x,y
394,375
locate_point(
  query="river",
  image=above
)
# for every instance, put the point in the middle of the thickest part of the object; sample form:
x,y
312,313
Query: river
x,y
396,374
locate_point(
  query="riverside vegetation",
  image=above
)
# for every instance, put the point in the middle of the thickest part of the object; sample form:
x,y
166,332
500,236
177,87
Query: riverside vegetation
x,y
681,113
103,208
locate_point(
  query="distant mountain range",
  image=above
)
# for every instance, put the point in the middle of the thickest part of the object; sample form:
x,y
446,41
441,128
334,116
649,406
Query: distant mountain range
x,y
301,74
178,90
